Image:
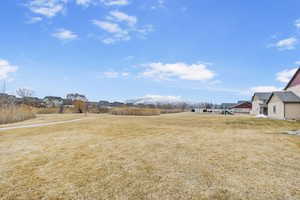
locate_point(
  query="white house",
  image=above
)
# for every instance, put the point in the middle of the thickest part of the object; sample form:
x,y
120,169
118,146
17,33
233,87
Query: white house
x,y
259,103
286,104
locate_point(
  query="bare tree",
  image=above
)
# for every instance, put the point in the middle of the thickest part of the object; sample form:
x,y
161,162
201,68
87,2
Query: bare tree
x,y
24,92
77,97
79,101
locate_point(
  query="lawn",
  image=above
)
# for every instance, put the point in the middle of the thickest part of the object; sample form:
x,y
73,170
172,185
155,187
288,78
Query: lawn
x,y
173,156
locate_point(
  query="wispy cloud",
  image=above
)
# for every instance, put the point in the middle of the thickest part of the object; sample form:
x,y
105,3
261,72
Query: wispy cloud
x,y
108,26
285,75
64,34
84,2
297,23
255,89
121,27
115,74
286,44
116,32
33,20
6,68
104,2
115,2
264,89
183,71
159,4
145,30
129,58
48,8
122,17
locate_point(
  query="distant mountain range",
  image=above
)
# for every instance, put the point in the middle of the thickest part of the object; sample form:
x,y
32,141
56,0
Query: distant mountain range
x,y
156,99
161,100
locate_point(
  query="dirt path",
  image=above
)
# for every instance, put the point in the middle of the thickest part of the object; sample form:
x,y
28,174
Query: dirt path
x,y
43,124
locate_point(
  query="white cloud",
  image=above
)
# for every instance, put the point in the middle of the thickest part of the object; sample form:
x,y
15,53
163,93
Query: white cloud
x,y
115,2
129,58
178,70
297,23
121,27
145,30
111,74
120,16
34,20
84,2
116,32
285,75
64,34
286,44
253,90
264,89
108,26
115,74
125,74
297,62
105,2
159,4
109,40
6,68
48,8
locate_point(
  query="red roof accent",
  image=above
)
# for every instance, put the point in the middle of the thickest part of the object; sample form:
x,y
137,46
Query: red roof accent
x,y
243,105
295,80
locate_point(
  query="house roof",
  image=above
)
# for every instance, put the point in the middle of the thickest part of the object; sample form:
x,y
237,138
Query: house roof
x,y
295,80
262,95
286,97
243,105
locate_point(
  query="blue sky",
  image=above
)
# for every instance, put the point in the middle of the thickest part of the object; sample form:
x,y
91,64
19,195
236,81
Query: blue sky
x,y
199,50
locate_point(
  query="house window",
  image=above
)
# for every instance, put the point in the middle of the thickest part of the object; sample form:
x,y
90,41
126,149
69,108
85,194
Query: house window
x,y
274,109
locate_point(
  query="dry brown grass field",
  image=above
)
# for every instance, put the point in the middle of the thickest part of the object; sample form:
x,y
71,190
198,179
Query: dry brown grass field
x,y
173,156
11,114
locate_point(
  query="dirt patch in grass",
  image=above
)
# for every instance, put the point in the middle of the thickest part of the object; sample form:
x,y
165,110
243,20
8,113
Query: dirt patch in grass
x,y
181,156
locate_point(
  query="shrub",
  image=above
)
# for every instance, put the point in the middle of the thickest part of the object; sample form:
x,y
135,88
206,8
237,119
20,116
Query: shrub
x,y
80,106
102,109
46,110
12,113
55,110
134,111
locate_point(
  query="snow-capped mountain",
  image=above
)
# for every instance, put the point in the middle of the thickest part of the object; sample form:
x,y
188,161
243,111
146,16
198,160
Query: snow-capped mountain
x,y
159,100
